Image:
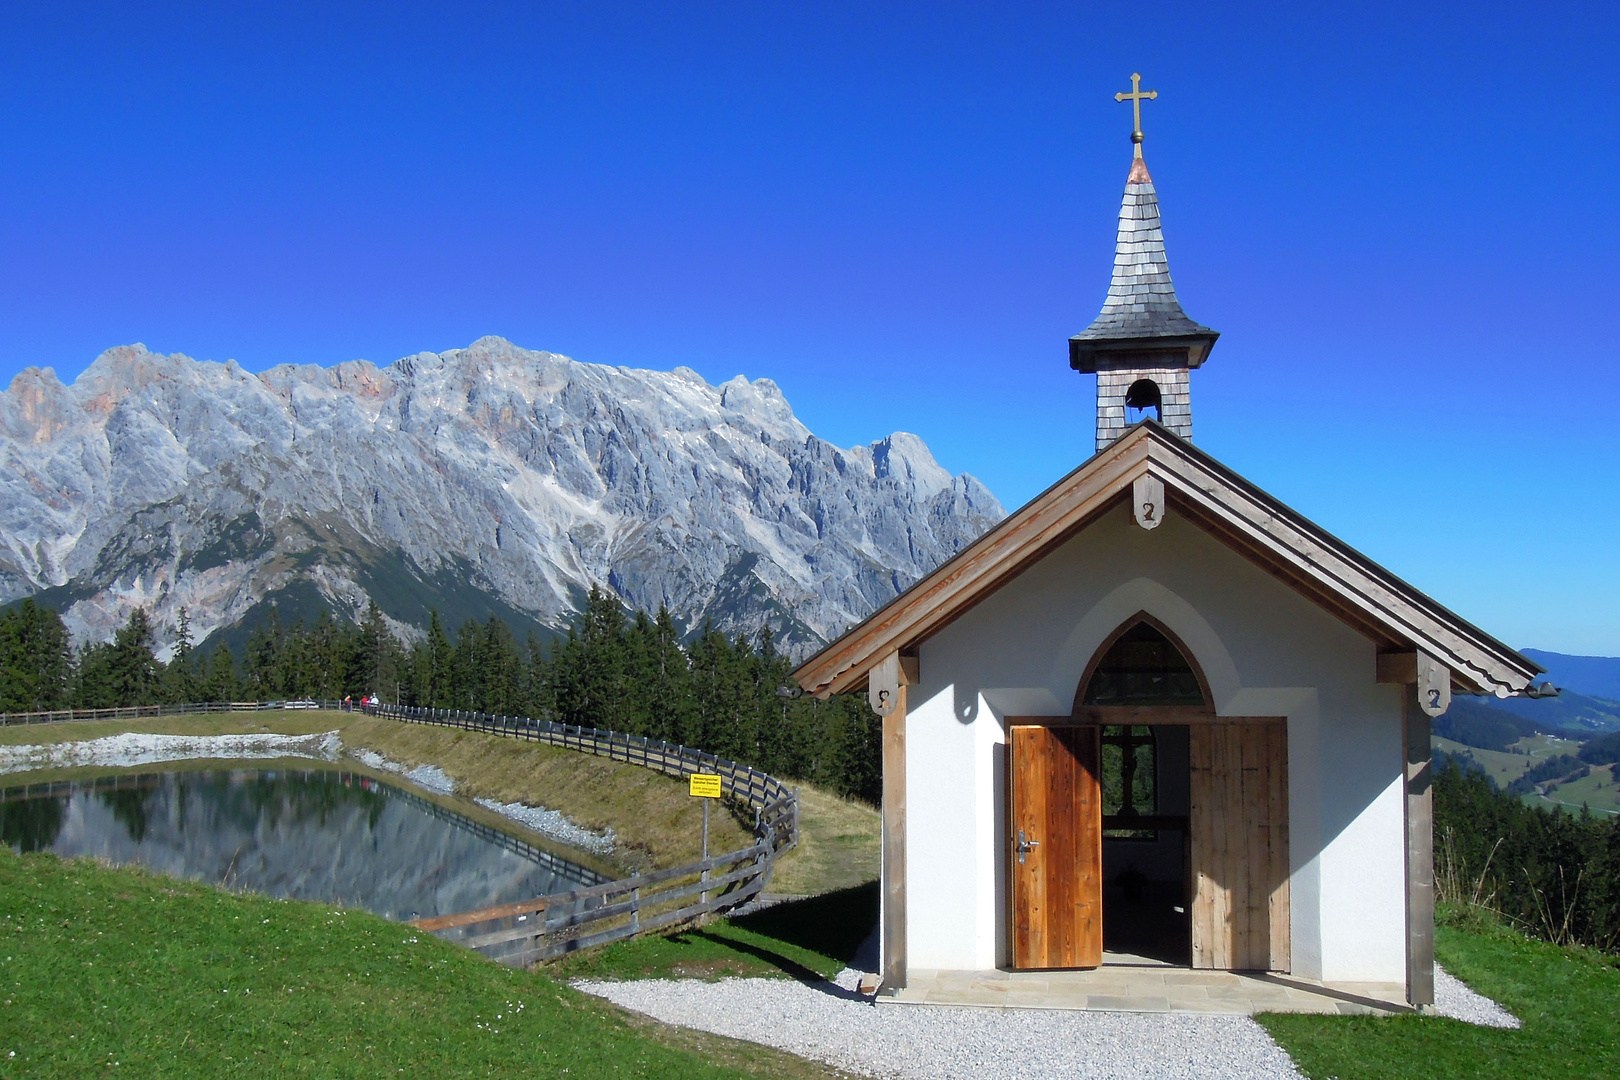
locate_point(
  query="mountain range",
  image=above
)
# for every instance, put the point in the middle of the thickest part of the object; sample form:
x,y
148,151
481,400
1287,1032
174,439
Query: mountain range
x,y
1590,698
486,480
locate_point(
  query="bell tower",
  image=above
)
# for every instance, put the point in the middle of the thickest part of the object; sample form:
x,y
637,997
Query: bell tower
x,y
1142,346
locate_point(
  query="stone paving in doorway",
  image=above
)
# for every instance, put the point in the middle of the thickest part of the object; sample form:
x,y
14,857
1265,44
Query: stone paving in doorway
x,y
1133,984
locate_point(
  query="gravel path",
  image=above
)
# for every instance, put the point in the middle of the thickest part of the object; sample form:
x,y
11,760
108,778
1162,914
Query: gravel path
x,y
832,1022
1456,999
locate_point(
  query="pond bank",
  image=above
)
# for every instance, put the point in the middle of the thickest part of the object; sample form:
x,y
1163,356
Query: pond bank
x,y
653,820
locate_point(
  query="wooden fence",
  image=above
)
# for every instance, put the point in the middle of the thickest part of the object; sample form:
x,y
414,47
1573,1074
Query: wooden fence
x,y
135,712
549,926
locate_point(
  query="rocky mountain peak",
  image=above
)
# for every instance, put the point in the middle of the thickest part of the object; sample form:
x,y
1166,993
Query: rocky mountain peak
x,y
489,479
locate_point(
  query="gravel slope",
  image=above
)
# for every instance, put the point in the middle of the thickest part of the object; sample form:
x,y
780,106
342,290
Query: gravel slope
x,y
1459,1001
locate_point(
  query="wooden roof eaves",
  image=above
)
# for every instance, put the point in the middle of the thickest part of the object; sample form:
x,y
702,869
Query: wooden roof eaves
x,y
1371,593
978,569
1346,583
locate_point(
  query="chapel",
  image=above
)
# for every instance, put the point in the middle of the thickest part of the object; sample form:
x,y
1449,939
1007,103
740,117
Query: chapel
x,y
1155,716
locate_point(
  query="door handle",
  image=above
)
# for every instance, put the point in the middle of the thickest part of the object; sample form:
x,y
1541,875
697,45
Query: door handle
x,y
1025,846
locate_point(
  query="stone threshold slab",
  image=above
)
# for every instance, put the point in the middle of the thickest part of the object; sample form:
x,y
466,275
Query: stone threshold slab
x,y
1147,990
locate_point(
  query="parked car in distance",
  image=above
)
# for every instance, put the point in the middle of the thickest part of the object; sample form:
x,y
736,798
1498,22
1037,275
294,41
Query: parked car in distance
x,y
301,703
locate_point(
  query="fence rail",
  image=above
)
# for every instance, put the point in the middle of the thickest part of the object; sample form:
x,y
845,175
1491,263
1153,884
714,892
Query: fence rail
x,y
135,712
550,926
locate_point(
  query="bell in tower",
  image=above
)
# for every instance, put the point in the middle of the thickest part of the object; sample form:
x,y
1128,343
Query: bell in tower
x,y
1142,346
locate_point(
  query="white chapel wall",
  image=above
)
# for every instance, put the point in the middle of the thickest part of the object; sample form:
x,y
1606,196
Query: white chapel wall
x,y
1265,651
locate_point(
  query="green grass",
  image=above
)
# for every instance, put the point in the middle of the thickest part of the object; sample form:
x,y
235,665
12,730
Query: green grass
x,y
122,972
1568,999
802,939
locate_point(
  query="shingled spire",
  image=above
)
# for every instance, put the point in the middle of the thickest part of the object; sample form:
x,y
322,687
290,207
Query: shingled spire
x,y
1142,345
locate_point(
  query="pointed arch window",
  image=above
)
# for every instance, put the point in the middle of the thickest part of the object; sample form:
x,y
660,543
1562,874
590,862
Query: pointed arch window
x,y
1143,667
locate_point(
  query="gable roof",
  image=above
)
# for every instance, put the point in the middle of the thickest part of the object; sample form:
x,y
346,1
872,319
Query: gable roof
x,y
1281,541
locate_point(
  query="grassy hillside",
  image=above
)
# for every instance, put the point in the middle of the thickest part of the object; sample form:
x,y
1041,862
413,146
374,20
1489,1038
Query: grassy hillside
x,y
1599,791
1507,766
118,971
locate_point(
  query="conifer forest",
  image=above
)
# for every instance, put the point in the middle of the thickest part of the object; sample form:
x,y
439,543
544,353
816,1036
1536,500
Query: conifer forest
x,y
614,670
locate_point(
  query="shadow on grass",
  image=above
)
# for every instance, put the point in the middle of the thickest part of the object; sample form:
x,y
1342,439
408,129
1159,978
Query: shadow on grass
x,y
808,940
791,968
833,924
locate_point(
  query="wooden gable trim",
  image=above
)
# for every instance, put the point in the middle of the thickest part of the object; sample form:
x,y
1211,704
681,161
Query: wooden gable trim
x,y
1346,584
979,569
1359,592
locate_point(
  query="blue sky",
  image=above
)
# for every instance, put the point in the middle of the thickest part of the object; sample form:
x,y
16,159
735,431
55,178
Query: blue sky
x,y
1402,219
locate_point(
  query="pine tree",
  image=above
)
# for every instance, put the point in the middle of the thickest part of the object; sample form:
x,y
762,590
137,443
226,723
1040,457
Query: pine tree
x,y
672,711
133,670
498,674
379,666
262,661
219,683
36,659
180,676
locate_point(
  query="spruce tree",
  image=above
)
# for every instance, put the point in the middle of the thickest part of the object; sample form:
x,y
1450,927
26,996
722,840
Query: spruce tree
x,y
437,681
672,711
36,659
466,666
219,682
498,674
179,676
599,680
379,666
92,683
133,670
262,661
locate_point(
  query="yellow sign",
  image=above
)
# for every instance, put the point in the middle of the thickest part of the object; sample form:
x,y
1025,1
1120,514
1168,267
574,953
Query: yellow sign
x,y
704,786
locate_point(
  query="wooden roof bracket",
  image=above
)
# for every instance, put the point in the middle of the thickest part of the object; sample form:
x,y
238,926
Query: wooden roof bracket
x,y
1418,668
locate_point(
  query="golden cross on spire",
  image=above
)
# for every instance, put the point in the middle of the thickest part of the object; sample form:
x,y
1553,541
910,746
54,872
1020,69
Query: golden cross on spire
x,y
1135,98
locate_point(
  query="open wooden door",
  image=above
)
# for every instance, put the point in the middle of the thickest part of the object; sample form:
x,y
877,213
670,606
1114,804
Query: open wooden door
x,y
1056,842
1240,917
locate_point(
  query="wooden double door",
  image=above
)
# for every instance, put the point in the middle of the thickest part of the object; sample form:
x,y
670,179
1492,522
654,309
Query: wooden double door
x,y
1239,845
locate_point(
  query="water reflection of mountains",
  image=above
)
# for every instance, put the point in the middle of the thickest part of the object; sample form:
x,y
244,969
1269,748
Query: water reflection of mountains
x,y
319,834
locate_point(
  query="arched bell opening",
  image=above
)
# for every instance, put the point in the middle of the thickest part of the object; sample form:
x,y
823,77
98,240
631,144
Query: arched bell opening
x,y
1143,402
1145,784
